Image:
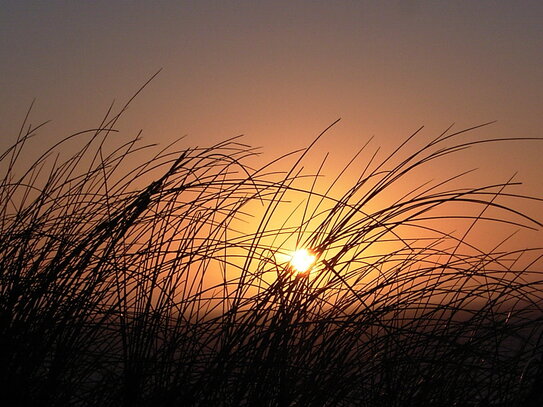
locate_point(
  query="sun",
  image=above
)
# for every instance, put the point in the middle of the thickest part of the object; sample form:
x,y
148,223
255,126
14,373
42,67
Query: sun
x,y
302,261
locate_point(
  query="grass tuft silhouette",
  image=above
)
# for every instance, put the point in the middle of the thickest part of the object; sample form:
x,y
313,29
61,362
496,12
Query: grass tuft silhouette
x,y
168,282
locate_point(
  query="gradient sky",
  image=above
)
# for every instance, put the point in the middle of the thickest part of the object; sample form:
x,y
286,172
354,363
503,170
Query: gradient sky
x,y
281,71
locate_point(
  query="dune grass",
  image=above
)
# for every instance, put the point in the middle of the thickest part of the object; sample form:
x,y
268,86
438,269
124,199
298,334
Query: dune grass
x,y
167,282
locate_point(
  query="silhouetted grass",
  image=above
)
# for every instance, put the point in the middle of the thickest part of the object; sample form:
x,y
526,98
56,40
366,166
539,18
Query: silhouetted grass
x,y
166,282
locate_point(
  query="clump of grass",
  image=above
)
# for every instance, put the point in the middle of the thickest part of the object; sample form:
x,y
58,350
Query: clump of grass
x,y
168,282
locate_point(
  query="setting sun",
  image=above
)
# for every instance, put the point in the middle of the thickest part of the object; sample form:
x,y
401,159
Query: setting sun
x,y
302,260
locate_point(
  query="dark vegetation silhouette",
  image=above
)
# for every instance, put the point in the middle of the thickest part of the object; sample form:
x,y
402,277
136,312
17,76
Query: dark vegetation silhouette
x,y
129,284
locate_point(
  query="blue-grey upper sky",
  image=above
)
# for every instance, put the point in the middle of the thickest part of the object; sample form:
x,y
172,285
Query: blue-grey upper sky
x,y
281,71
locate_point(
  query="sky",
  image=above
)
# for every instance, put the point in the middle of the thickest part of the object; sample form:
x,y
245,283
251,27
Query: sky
x,y
279,72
